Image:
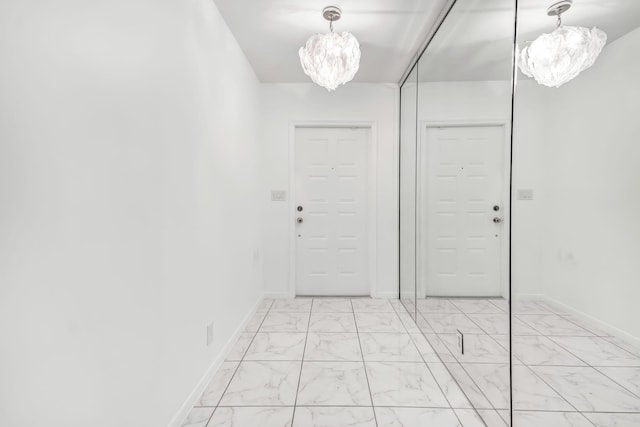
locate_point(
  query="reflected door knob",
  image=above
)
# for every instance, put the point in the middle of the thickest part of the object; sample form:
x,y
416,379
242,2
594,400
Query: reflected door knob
x,y
497,220
299,220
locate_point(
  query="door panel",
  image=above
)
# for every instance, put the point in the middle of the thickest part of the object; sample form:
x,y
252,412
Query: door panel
x,y
331,186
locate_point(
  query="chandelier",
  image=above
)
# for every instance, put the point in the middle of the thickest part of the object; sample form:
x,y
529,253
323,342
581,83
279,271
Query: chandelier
x,y
554,59
331,59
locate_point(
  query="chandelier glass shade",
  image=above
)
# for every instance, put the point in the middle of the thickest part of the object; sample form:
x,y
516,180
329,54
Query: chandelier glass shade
x,y
330,59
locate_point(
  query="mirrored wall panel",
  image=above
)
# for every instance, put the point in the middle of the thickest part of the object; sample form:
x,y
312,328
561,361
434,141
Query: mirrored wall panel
x,y
576,215
458,187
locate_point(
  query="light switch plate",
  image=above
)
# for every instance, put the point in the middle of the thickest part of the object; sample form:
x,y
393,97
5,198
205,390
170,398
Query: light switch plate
x,y
525,194
278,195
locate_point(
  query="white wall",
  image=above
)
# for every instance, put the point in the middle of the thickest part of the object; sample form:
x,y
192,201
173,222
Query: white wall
x,y
283,104
591,225
129,214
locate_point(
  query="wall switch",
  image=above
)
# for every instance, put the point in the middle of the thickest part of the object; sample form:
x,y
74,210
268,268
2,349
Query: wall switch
x,y
209,334
525,194
278,195
460,336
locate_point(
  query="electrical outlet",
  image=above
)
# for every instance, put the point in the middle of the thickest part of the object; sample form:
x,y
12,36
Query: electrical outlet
x,y
209,334
460,341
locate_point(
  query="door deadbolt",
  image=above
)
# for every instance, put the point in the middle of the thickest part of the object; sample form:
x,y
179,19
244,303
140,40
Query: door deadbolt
x,y
496,208
497,220
299,220
299,208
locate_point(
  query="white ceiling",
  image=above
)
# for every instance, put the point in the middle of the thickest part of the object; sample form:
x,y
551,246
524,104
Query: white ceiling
x,y
476,40
270,33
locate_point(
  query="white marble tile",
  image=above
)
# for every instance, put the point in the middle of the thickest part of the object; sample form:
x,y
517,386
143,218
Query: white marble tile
x,y
408,323
416,417
332,305
423,325
483,418
597,351
449,387
540,350
214,390
436,305
552,324
397,305
240,347
252,416
590,326
530,392
382,347
550,419
330,346
277,346
429,353
334,416
588,390
498,324
332,322
474,305
529,307
379,322
449,323
333,384
503,340
625,344
285,322
370,305
493,418
198,417
263,384
628,378
292,305
477,349
614,420
403,384
501,303
254,324
466,383
264,305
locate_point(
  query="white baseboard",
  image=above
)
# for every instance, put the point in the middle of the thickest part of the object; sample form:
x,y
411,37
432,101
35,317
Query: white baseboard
x,y
276,295
184,410
527,297
587,318
386,295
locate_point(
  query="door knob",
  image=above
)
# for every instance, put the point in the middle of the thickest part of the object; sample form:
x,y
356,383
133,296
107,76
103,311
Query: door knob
x,y
497,220
299,220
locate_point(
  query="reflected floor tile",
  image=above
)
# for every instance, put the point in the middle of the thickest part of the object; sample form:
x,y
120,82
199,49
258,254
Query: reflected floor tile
x,y
449,323
540,350
477,349
552,324
476,306
428,352
254,324
423,325
329,346
483,418
403,384
530,307
333,384
292,305
381,347
588,390
214,390
501,303
332,305
263,384
264,305
379,322
332,322
628,378
493,418
471,390
285,322
436,305
277,346
597,351
614,420
416,417
408,323
198,417
551,419
252,416
498,324
369,305
241,346
449,387
332,416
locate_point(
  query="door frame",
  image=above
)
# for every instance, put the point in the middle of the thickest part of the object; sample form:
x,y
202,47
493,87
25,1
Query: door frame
x,y
372,196
506,175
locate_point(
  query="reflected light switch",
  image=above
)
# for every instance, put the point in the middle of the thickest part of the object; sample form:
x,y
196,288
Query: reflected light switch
x,y
278,195
525,194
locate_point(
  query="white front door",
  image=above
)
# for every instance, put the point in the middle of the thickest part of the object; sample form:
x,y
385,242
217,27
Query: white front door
x,y
461,186
331,211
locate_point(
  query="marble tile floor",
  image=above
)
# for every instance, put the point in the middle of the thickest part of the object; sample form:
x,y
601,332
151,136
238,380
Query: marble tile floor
x,y
565,372
311,362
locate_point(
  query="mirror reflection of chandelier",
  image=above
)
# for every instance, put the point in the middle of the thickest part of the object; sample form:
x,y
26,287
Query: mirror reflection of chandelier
x,y
555,58
331,59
